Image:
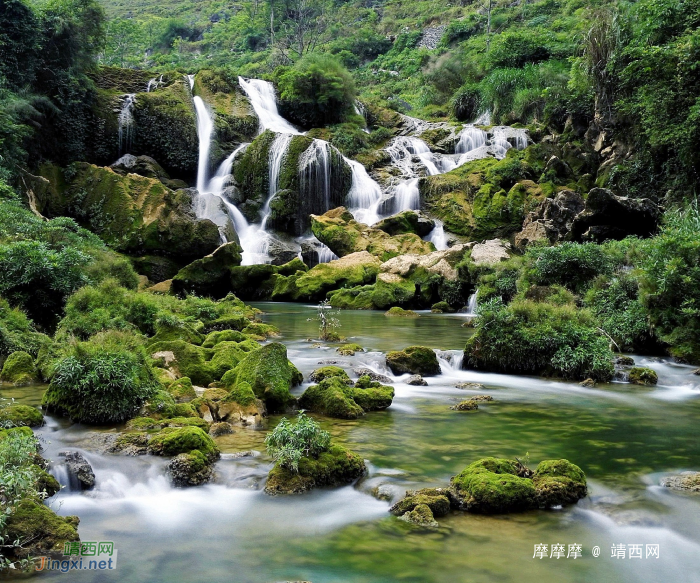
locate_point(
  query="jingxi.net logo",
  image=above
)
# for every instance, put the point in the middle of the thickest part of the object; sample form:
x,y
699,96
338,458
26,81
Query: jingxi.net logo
x,y
81,556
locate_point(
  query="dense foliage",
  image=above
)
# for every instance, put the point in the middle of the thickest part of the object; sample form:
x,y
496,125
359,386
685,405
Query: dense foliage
x,y
288,442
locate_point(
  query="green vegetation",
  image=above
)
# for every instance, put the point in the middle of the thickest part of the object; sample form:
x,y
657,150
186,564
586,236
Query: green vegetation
x,y
289,442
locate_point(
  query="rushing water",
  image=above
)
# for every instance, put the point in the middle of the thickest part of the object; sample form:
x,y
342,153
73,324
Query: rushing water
x,y
262,98
624,437
126,123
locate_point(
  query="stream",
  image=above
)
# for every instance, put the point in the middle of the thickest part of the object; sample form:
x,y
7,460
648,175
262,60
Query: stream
x,y
624,437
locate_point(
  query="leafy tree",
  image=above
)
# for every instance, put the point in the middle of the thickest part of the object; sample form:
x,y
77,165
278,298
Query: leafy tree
x,y
288,443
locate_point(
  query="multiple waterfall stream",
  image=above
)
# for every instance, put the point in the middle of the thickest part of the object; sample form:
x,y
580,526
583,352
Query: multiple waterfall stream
x,y
366,200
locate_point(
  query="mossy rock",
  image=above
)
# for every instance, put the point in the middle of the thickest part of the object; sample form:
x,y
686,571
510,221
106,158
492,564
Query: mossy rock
x,y
468,405
172,441
336,467
144,424
211,275
349,349
160,405
344,235
335,398
45,482
193,468
441,308
327,372
259,282
227,355
270,375
190,361
214,338
639,375
492,485
19,369
260,329
182,390
181,331
21,416
406,222
420,515
437,499
379,296
42,531
131,444
414,360
559,482
396,311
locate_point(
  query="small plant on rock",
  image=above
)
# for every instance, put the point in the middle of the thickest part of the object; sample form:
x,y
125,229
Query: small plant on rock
x,y
328,321
289,442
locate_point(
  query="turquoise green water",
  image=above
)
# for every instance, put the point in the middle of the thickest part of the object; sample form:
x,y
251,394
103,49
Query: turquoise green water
x,y
624,437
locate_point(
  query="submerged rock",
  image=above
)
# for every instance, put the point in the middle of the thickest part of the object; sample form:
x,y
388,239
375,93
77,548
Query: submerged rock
x,y
688,481
470,386
468,405
400,312
481,398
336,467
415,360
589,383
79,468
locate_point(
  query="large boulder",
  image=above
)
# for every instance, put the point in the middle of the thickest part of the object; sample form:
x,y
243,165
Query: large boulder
x,y
552,220
336,467
558,482
414,360
440,263
19,369
344,235
21,416
608,216
490,252
211,275
334,397
79,469
407,222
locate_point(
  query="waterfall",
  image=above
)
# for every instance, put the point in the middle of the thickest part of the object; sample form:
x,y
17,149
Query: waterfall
x,y
500,143
190,78
471,304
325,255
315,171
126,123
154,84
205,128
437,236
278,149
262,98
470,138
406,196
402,150
365,195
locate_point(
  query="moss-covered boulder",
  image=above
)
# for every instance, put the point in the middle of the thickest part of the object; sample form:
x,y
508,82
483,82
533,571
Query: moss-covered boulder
x,y
400,312
193,468
21,416
344,235
133,214
213,338
313,285
327,372
559,482
640,375
270,375
334,397
258,282
182,390
349,349
171,441
389,290
211,275
492,485
239,405
188,360
407,222
19,369
422,506
336,467
40,530
420,515
415,360
468,405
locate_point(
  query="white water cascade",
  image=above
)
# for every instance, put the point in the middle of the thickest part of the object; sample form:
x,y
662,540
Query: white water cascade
x,y
365,195
278,149
126,123
262,98
153,84
437,236
205,129
471,304
315,170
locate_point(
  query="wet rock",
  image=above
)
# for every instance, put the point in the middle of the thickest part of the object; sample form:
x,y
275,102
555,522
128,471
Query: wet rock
x,y
329,371
421,515
490,252
624,361
558,482
132,444
349,349
643,376
415,360
470,386
407,222
211,275
190,469
589,383
21,416
331,362
607,216
336,467
19,369
481,398
688,481
468,405
437,499
400,312
282,251
416,380
335,398
79,468
375,376
697,372
552,220
221,428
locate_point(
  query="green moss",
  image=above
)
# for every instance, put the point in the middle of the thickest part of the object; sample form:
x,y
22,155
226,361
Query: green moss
x,y
332,396
19,369
335,467
269,374
186,422
559,482
252,174
259,329
349,349
227,355
211,275
415,360
396,311
468,405
45,482
380,296
441,308
181,390
172,441
259,281
144,424
159,405
21,416
45,531
223,336
180,331
327,372
434,498
643,376
405,222
190,360
242,393
492,485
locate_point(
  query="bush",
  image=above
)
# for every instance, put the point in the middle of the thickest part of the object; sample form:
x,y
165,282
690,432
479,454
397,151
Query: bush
x,y
572,265
104,380
670,283
526,337
288,443
466,102
316,91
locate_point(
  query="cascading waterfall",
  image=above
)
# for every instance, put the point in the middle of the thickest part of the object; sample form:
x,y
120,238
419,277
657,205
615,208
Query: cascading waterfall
x,y
278,149
126,123
471,304
437,236
154,84
470,138
262,98
402,150
406,196
315,170
365,195
205,129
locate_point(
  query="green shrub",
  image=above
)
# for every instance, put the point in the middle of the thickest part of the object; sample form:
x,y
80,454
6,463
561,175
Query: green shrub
x,y
17,332
316,91
466,102
289,442
572,265
526,337
104,380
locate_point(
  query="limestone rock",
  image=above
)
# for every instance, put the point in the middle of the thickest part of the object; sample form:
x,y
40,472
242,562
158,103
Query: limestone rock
x,y
439,262
490,252
552,220
417,380
688,481
79,469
